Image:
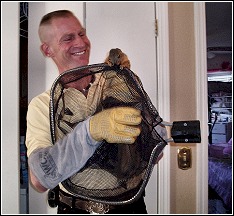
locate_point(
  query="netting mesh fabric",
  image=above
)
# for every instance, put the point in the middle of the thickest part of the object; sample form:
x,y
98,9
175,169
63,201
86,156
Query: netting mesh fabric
x,y
116,173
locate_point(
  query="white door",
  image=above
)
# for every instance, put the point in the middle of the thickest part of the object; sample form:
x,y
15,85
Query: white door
x,y
130,27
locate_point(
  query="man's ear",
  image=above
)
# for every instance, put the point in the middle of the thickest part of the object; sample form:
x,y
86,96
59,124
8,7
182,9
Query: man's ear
x,y
45,49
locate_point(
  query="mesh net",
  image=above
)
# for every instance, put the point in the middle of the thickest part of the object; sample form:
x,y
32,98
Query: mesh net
x,y
116,173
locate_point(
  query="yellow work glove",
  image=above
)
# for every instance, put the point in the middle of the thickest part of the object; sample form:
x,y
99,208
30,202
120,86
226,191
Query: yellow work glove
x,y
116,125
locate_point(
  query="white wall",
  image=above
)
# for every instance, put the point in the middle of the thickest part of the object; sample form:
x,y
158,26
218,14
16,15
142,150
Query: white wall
x,y
10,108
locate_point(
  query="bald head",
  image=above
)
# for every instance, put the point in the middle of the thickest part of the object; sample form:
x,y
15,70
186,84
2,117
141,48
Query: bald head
x,y
46,21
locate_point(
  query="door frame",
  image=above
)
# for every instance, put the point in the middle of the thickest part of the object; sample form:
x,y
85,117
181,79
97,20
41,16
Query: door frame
x,y
163,186
201,108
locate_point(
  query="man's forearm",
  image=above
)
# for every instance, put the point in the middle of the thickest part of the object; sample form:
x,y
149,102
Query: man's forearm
x,y
35,183
54,164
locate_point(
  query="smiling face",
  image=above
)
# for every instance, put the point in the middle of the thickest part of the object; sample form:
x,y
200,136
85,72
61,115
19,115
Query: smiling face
x,y
66,42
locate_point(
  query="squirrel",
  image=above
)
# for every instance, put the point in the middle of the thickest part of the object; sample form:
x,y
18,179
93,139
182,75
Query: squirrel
x,y
117,57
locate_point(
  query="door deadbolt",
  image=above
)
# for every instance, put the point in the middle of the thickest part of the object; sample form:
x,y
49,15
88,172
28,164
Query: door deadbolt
x,y
184,157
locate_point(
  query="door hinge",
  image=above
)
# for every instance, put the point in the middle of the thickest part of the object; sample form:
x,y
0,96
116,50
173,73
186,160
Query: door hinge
x,y
156,27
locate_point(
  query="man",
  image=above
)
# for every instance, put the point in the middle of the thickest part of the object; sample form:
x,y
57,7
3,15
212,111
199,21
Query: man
x,y
64,40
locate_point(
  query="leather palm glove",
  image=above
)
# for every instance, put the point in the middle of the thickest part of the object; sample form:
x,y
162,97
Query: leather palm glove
x,y
116,125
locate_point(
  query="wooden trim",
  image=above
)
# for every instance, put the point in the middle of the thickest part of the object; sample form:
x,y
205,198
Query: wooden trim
x,y
202,107
163,103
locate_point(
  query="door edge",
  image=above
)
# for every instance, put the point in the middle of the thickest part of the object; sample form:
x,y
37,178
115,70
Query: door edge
x,y
202,105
